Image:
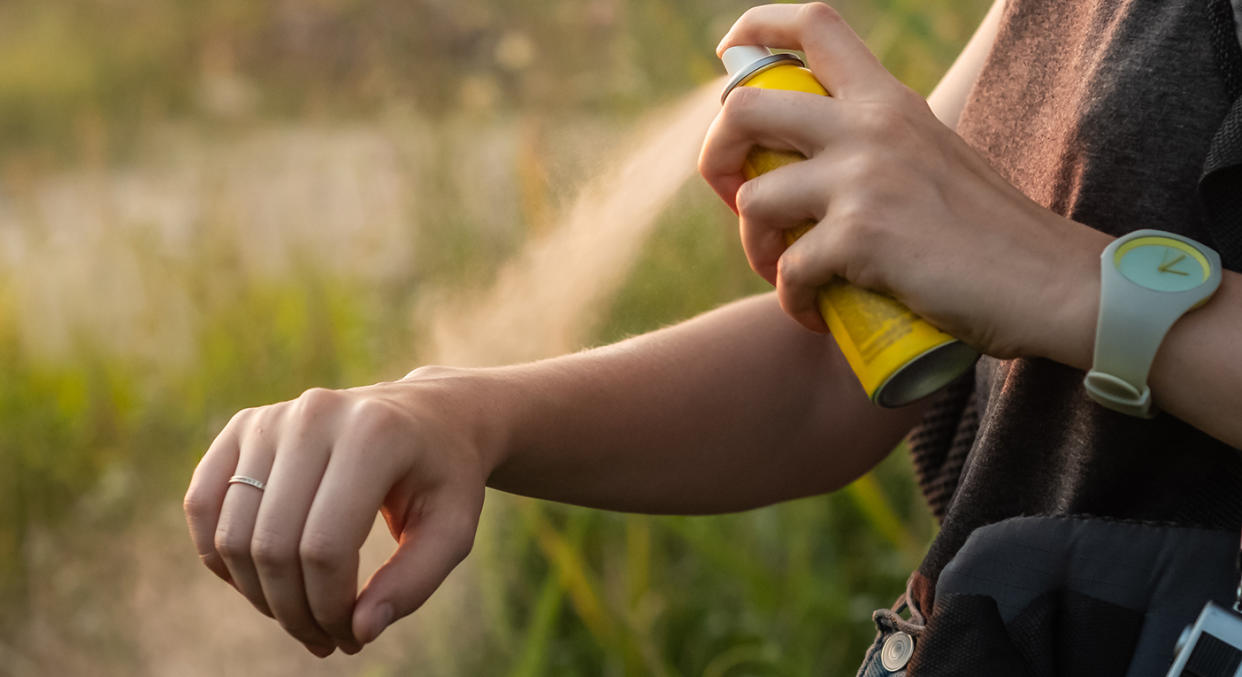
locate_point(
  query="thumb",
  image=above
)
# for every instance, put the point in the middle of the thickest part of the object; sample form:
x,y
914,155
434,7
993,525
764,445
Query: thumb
x,y
429,547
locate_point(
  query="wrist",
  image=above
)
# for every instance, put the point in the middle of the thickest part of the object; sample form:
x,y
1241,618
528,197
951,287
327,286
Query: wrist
x,y
473,403
1074,303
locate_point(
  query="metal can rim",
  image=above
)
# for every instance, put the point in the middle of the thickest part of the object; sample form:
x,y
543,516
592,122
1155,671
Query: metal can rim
x,y
758,66
931,370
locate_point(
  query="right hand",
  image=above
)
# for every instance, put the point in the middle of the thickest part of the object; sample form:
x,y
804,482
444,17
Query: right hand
x,y
331,460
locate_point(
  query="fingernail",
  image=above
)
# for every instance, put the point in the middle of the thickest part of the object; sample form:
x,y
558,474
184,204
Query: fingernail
x,y
383,616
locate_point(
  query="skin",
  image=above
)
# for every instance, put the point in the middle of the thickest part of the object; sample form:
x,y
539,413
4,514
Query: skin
x,y
737,408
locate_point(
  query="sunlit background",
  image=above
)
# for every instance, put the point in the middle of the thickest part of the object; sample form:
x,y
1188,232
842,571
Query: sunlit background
x,y
212,205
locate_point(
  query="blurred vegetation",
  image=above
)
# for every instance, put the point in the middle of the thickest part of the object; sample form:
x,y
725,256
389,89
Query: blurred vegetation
x,y
92,437
75,75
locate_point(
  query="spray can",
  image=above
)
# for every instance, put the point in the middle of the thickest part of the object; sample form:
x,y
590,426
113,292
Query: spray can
x,y
897,356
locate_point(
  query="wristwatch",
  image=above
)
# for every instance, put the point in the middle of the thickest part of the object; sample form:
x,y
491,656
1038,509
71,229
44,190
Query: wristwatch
x,y
1148,279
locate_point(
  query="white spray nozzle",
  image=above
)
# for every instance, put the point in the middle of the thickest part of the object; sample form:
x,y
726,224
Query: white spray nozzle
x,y
738,58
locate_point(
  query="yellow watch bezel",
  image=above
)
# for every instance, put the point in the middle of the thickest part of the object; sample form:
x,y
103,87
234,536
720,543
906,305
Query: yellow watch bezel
x,y
1205,268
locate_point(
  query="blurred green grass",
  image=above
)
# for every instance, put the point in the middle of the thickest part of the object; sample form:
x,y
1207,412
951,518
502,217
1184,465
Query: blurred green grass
x,y
96,435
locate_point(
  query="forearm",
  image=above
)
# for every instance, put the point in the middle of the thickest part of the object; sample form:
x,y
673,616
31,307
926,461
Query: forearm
x,y
737,408
1197,374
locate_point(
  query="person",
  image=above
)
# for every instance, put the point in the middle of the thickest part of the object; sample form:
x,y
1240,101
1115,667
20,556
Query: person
x,y
984,208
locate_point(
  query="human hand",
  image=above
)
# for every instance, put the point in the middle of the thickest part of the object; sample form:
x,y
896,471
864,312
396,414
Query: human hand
x,y
332,459
902,204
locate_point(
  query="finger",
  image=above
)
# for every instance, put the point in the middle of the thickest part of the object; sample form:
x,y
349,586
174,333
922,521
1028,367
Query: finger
x,y
806,266
296,471
431,545
785,198
772,119
205,496
241,504
834,52
353,487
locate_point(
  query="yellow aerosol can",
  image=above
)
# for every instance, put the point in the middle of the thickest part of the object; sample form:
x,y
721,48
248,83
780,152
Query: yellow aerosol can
x,y
897,356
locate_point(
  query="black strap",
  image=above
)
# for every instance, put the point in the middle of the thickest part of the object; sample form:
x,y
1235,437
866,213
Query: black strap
x,y
1220,185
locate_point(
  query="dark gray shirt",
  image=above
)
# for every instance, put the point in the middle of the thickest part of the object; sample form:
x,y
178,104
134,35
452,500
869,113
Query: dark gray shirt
x,y
1103,112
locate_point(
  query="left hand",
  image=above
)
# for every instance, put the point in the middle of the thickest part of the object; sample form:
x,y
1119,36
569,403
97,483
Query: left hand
x,y
902,204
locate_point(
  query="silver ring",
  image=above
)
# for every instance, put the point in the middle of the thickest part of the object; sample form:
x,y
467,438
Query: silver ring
x,y
249,481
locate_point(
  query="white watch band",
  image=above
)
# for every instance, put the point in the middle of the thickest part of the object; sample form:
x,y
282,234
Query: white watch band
x,y
1131,325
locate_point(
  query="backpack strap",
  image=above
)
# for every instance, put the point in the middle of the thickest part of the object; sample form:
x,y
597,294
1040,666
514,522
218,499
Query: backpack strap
x,y
1220,184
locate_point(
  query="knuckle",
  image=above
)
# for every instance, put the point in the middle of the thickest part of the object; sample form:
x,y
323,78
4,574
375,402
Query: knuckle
x,y
747,199
272,552
852,212
738,104
852,227
748,17
374,417
232,546
239,420
427,372
819,14
244,415
790,269
855,238
320,553
705,171
316,402
373,408
196,505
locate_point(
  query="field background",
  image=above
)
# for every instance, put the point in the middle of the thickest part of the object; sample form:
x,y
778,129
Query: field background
x,y
212,205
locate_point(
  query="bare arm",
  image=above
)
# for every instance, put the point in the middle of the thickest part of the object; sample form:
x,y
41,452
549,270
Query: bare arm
x,y
736,408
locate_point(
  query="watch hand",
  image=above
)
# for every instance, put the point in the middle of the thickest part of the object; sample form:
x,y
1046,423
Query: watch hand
x,y
1167,267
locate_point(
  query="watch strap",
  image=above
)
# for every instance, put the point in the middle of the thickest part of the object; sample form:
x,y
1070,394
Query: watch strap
x,y
1129,331
1119,395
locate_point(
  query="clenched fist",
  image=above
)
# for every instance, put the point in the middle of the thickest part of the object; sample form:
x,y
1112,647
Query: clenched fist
x,y
326,463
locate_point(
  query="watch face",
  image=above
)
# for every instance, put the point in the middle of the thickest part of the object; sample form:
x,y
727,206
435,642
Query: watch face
x,y
1162,264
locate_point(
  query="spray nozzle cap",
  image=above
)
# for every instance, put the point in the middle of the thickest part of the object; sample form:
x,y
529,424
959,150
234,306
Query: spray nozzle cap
x,y
737,58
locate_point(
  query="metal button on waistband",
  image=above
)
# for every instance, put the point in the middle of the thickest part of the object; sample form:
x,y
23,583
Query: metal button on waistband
x,y
896,652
